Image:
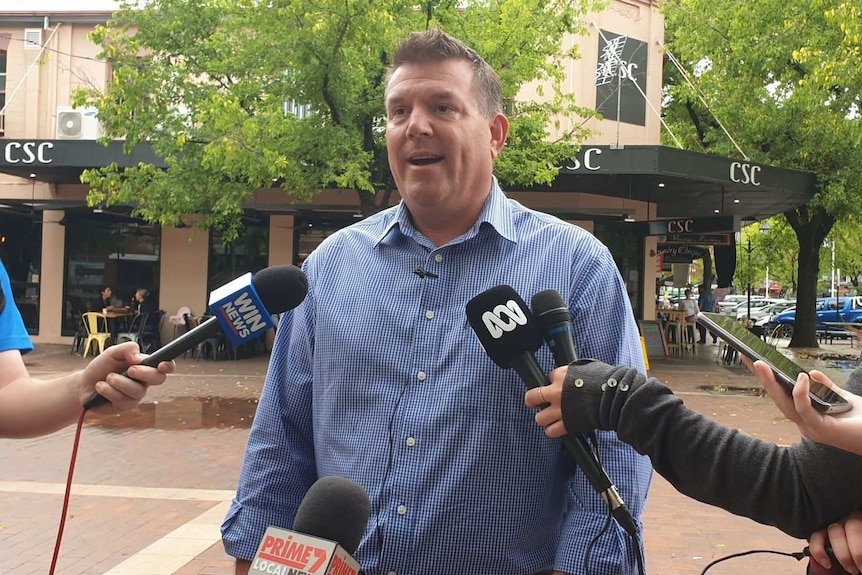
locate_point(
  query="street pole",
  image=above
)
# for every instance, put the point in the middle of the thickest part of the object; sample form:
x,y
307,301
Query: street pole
x,y
748,277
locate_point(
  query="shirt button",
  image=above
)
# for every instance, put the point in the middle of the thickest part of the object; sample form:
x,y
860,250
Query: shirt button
x,y
392,573
411,441
429,314
402,510
420,376
438,258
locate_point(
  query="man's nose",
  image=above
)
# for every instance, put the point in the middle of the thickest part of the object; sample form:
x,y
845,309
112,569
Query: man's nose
x,y
419,124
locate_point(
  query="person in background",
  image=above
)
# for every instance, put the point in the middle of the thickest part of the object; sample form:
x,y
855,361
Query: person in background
x,y
103,301
799,489
30,406
689,306
705,302
398,394
143,303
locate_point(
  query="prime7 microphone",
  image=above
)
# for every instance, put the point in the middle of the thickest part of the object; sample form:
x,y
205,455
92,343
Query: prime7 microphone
x,y
241,308
510,336
327,529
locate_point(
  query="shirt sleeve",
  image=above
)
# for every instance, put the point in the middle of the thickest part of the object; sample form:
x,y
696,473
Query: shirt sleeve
x,y
279,462
605,329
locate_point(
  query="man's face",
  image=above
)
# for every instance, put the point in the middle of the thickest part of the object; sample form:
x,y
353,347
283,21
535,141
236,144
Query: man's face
x,y
106,293
441,147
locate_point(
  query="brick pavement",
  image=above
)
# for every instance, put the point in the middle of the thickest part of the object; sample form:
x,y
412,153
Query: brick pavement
x,y
162,475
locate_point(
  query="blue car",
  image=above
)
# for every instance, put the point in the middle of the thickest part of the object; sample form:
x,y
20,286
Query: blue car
x,y
826,310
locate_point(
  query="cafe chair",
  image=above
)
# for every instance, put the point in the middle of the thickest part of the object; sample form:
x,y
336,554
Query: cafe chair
x,y
179,320
151,337
97,332
136,329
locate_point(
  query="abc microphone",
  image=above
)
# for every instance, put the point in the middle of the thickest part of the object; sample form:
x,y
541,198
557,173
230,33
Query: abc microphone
x,y
511,343
241,308
327,529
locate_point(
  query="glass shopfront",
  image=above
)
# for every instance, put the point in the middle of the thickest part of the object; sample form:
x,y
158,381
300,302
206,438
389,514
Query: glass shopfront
x,y
248,253
627,249
107,250
21,252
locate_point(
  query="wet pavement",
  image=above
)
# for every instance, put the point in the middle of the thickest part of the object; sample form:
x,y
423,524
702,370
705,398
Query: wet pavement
x,y
152,486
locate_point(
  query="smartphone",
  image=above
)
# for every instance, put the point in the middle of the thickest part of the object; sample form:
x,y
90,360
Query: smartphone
x,y
785,370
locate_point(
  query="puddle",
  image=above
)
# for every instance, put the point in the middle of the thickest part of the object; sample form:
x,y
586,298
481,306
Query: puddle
x,y
845,365
733,390
184,413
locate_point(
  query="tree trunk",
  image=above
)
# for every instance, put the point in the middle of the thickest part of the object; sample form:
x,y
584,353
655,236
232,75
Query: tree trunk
x,y
811,226
804,332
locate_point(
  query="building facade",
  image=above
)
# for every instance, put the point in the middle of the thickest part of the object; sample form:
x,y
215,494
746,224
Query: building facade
x,y
624,188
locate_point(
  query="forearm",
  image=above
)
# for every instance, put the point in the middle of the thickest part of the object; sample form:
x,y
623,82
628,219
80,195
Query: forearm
x,y
31,407
797,489
242,567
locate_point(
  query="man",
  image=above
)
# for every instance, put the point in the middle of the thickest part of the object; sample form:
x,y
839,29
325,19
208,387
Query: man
x,y
705,302
689,306
378,378
799,489
104,301
31,407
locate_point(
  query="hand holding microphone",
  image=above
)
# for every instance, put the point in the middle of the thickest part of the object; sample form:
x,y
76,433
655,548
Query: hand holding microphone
x,y
242,309
510,335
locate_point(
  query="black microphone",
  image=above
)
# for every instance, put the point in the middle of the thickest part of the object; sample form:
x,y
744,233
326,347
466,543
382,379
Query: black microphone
x,y
327,530
555,320
510,336
242,309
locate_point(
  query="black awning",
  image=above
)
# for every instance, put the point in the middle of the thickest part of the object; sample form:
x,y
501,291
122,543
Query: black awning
x,y
686,184
62,161
679,182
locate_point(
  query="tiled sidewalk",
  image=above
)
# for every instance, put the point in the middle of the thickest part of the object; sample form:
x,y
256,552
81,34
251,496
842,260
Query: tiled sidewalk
x,y
152,487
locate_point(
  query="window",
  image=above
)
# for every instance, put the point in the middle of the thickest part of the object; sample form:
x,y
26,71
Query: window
x,y
248,253
107,250
21,252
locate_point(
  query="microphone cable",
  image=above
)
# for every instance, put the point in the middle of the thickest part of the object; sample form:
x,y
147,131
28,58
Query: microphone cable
x,y
636,547
68,493
799,556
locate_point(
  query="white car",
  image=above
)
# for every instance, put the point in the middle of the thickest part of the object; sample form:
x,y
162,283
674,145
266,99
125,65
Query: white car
x,y
729,303
762,307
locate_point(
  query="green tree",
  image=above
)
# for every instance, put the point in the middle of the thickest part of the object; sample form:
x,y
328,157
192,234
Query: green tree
x,y
754,69
213,86
847,235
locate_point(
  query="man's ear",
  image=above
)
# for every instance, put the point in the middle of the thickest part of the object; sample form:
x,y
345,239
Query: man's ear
x,y
499,131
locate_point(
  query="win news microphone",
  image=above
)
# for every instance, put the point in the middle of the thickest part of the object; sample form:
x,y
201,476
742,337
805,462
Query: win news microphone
x,y
510,336
241,308
326,531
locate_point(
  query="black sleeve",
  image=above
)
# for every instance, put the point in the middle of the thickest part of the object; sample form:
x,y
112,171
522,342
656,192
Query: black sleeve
x,y
797,489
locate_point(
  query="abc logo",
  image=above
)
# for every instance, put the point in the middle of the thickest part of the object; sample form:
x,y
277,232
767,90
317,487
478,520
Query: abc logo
x,y
504,318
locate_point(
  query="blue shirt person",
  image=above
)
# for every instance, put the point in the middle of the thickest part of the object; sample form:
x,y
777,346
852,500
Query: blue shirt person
x,y
377,376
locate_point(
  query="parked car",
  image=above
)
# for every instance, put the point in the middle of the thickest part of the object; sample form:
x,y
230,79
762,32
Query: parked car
x,y
729,303
826,309
761,307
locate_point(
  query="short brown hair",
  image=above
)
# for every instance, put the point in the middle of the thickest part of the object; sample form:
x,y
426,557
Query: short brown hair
x,y
435,45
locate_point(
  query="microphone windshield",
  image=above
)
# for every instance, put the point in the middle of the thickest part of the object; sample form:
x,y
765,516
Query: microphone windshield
x,y
280,288
550,308
504,324
336,509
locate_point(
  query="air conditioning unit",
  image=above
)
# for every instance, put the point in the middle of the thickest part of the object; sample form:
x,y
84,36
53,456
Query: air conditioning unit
x,y
78,123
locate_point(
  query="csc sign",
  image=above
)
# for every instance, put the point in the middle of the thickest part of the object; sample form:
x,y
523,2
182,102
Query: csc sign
x,y
589,162
28,153
744,173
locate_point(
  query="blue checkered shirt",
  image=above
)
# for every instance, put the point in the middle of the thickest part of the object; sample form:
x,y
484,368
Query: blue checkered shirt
x,y
378,377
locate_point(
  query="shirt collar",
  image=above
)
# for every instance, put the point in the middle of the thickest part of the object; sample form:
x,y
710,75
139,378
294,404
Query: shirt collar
x,y
497,212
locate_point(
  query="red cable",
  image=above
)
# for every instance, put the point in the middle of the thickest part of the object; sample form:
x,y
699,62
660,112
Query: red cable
x,y
68,493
